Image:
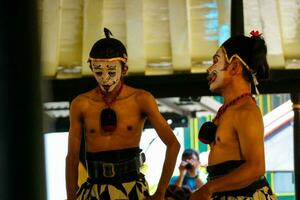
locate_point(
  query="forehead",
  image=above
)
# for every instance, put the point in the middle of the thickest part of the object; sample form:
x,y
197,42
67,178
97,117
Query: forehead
x,y
220,53
192,156
106,64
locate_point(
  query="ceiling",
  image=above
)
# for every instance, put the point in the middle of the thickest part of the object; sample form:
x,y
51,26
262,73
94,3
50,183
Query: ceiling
x,y
163,37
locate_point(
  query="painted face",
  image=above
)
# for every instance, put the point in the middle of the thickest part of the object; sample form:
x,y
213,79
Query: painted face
x,y
107,74
217,71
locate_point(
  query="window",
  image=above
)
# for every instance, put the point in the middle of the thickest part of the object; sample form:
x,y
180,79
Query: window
x,y
284,182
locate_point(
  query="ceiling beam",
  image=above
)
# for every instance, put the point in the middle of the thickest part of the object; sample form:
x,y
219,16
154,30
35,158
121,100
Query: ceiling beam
x,y
177,85
175,108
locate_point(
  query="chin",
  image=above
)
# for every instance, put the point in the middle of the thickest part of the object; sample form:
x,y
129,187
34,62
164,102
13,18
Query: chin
x,y
215,90
212,89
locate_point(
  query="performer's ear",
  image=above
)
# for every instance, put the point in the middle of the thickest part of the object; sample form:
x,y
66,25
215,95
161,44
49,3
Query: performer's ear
x,y
124,69
236,67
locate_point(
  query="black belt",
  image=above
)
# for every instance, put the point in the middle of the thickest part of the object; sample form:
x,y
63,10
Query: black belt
x,y
109,172
215,171
246,191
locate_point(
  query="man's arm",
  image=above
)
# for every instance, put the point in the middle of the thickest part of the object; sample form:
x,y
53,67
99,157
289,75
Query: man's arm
x,y
164,131
249,127
72,159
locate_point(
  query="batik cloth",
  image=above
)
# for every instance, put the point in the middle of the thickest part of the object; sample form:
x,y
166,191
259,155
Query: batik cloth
x,y
133,190
114,175
258,190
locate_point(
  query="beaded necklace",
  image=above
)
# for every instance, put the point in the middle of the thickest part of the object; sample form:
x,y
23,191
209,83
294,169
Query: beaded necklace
x,y
223,108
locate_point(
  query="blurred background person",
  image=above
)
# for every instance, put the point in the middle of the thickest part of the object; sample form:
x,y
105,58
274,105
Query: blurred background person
x,y
189,173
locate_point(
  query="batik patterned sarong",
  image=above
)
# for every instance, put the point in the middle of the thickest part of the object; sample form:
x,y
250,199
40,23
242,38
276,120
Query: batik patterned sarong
x,y
258,190
263,193
133,190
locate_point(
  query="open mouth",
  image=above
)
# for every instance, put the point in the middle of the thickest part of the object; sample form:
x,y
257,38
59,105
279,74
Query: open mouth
x,y
212,77
106,87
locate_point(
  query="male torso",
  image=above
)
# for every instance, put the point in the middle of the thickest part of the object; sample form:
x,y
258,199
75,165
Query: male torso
x,y
130,120
226,145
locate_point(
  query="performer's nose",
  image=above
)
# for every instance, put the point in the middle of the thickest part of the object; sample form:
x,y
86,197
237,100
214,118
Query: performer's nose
x,y
210,69
105,77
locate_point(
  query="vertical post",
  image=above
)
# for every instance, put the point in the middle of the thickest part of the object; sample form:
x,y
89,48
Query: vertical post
x,y
237,17
21,139
296,107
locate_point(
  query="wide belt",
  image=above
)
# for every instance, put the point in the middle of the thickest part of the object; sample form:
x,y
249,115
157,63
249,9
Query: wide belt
x,y
215,171
107,172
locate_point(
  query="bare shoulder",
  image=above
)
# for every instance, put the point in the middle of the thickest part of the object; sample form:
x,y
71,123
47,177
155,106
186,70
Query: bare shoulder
x,y
140,95
247,112
247,108
81,99
143,95
144,99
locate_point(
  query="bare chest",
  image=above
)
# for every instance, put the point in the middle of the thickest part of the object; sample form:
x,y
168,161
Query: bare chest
x,y
129,119
226,135
226,145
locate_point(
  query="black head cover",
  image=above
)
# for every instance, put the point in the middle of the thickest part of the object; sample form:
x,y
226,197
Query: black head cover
x,y
252,50
240,45
108,120
108,47
207,132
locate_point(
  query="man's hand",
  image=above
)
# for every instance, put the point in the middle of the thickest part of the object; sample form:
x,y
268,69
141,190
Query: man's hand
x,y
202,193
194,163
182,167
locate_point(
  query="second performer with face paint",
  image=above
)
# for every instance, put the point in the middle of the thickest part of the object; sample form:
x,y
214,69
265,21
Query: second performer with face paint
x,y
236,162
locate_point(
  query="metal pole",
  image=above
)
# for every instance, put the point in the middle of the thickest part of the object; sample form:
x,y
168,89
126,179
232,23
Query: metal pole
x,y
21,140
237,17
296,107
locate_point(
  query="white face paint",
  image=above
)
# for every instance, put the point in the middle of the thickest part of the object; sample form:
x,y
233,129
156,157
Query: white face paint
x,y
107,74
216,71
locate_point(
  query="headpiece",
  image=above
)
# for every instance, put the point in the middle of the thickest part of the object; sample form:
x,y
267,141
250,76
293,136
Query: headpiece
x,y
108,49
241,47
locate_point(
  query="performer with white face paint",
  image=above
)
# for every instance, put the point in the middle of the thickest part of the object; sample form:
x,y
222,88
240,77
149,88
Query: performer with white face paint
x,y
216,73
236,163
112,116
107,74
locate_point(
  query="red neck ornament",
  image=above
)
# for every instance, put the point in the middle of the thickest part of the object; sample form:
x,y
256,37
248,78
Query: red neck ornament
x,y
108,117
105,97
224,107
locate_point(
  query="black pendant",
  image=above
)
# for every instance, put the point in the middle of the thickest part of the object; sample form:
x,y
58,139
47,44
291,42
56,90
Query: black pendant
x,y
108,120
207,132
